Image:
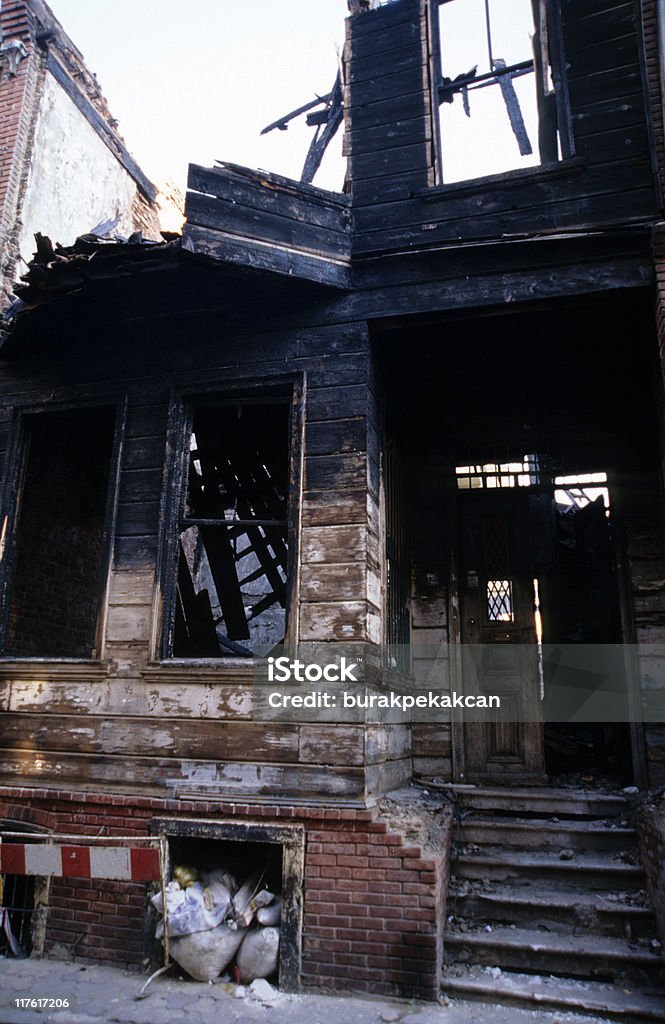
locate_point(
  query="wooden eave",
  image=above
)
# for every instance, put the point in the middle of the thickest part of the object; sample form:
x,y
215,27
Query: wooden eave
x,y
263,221
97,281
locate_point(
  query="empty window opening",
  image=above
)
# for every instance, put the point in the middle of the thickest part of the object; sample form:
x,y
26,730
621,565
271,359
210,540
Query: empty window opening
x,y
491,475
57,555
231,593
577,490
497,87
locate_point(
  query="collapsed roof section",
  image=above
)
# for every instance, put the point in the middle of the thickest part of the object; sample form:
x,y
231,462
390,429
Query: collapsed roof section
x,y
267,222
250,238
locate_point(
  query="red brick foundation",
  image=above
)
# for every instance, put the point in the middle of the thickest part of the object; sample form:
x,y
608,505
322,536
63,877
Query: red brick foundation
x,y
373,900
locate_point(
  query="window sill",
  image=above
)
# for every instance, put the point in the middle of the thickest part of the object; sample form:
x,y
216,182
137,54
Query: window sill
x,y
54,669
519,176
203,670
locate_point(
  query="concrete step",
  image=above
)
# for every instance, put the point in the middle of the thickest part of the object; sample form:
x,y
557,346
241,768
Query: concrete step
x,y
532,991
525,834
557,910
573,956
543,802
592,871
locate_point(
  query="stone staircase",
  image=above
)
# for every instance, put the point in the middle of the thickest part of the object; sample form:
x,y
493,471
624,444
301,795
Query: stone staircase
x,y
547,908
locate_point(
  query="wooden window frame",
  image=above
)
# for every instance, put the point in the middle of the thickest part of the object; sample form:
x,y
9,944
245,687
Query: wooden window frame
x,y
287,389
559,78
10,516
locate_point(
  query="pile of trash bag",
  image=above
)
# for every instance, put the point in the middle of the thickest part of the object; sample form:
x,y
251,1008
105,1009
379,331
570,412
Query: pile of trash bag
x,y
211,919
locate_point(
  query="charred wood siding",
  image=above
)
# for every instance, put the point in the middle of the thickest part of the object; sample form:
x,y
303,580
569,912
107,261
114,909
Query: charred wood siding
x,y
390,137
650,30
612,164
132,722
264,221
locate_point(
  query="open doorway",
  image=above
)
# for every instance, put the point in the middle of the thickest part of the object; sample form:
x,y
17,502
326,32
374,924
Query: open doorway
x,y
587,611
538,573
543,411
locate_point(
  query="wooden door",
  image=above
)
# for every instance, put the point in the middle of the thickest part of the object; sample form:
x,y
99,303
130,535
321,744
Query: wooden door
x,y
499,651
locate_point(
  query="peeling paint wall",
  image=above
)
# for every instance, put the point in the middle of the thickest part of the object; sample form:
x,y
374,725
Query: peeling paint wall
x,y
75,182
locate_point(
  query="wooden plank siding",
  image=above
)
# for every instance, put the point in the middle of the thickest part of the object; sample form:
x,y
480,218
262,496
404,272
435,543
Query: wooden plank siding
x,y
382,91
263,221
650,33
398,250
137,724
612,145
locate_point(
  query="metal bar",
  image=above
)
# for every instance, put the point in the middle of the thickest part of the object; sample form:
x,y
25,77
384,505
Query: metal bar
x,y
472,80
282,122
83,839
488,26
494,81
187,522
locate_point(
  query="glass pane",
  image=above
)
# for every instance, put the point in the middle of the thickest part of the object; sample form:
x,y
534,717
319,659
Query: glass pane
x,y
499,601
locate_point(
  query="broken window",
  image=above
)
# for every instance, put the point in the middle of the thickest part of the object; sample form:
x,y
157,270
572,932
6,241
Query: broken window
x,y
577,490
231,588
500,92
56,558
524,472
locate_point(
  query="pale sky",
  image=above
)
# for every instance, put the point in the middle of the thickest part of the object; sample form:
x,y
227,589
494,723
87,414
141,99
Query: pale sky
x,y
191,81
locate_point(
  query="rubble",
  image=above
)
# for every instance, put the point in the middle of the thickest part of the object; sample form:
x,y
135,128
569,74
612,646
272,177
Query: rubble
x,y
210,919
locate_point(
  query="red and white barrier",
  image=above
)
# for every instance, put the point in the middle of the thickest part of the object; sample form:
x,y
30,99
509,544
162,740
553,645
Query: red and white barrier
x,y
131,864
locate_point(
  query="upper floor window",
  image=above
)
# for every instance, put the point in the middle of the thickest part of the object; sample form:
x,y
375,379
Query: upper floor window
x,y
500,88
230,592
55,551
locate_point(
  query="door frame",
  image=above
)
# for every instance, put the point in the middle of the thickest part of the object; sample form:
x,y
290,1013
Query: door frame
x,y
633,690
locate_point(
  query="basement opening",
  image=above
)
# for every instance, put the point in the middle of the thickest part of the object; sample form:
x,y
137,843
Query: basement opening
x,y
234,900
23,902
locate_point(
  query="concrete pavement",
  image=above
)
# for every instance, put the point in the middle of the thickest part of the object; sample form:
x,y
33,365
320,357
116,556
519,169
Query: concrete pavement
x,y
107,995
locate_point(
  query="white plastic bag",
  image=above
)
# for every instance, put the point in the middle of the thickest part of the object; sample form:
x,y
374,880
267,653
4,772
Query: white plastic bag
x,y
271,914
258,954
193,909
204,955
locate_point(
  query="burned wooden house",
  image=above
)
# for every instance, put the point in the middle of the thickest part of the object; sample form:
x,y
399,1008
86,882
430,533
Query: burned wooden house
x,y
421,416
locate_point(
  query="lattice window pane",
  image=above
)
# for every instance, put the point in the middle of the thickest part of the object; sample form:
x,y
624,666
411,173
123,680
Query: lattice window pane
x,y
499,601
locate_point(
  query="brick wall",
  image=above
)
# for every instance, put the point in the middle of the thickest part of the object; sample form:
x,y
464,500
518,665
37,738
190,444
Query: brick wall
x,y
373,900
654,89
651,832
96,919
374,911
18,109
